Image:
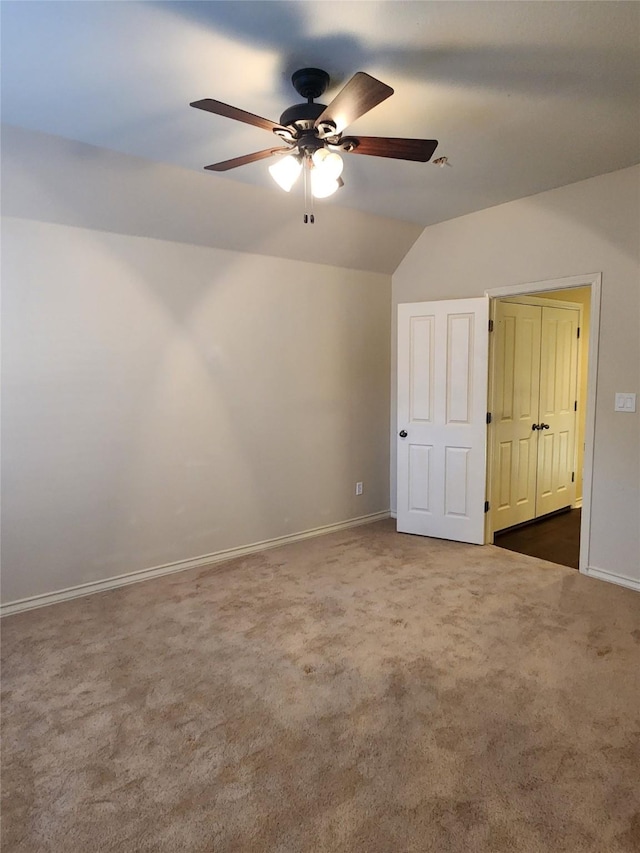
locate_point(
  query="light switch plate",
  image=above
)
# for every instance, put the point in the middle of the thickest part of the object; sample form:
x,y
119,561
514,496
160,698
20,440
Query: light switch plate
x,y
625,402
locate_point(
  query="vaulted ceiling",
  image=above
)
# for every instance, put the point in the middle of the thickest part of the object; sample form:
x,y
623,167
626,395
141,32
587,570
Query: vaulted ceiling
x,y
522,96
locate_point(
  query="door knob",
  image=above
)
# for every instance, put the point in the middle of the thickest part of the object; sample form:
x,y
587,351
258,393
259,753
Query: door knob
x,y
535,426
543,426
403,433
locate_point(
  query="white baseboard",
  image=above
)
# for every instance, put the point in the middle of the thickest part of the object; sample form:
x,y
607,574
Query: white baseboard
x,y
180,566
611,577
393,514
577,503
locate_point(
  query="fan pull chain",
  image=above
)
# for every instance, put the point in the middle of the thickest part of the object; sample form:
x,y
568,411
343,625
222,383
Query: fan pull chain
x,y
309,218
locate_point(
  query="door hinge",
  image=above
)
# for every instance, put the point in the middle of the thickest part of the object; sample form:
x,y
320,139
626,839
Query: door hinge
x,y
573,476
486,506
575,406
491,325
578,331
488,417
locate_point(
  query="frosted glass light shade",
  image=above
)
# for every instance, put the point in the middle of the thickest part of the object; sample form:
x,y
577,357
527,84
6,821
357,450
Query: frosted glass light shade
x,y
327,167
328,163
321,185
285,171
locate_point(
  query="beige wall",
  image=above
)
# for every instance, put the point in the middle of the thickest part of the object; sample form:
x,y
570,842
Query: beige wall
x,y
163,401
591,226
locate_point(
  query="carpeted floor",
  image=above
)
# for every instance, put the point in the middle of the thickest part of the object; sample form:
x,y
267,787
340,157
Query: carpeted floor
x,y
363,692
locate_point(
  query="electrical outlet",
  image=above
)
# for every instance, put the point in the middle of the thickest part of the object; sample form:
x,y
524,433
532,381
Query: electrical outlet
x,y
358,488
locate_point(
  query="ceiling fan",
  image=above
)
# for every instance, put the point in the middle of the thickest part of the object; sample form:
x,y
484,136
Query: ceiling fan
x,y
313,134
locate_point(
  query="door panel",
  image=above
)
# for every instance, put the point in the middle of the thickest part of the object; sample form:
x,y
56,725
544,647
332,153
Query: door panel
x,y
516,391
456,481
442,393
546,464
421,361
419,478
459,368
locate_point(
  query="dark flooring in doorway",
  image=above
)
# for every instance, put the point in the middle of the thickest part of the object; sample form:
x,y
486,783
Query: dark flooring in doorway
x,y
555,538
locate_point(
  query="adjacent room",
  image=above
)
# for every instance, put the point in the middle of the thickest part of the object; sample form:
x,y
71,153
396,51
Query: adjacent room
x,y
320,442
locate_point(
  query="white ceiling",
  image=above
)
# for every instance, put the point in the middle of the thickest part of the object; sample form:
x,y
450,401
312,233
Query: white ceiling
x,y
523,96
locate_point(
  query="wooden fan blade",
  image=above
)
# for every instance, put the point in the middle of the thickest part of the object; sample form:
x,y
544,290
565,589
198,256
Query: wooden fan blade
x,y
227,111
400,149
225,165
361,94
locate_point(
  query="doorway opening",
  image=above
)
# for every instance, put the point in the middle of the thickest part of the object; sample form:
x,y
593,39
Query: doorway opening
x,y
555,538
542,405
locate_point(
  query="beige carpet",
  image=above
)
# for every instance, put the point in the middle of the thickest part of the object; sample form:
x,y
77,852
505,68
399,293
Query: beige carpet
x,y
364,691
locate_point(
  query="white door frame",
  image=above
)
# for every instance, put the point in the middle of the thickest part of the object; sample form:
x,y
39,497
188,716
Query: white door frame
x,y
594,281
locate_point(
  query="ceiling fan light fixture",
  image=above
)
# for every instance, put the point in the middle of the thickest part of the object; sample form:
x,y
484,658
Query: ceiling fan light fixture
x,y
285,171
322,185
328,163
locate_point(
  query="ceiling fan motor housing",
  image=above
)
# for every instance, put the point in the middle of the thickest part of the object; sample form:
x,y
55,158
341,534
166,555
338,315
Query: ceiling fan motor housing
x,y
302,115
310,82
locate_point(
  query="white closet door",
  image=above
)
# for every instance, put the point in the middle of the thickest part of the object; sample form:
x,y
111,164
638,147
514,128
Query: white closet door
x,y
516,389
442,403
558,393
